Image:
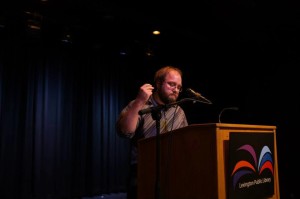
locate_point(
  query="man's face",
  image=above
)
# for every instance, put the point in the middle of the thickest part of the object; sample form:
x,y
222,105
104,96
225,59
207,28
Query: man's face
x,y
170,87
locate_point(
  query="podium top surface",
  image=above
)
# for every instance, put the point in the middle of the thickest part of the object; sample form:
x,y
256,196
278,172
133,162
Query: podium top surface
x,y
231,125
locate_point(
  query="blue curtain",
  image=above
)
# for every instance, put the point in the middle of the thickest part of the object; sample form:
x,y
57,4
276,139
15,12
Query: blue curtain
x,y
58,107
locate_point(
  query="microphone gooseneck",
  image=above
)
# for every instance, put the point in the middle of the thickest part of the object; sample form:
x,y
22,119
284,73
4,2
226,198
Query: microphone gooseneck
x,y
226,108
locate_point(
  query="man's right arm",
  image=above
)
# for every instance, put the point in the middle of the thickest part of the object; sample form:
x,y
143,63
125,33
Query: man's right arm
x,y
128,120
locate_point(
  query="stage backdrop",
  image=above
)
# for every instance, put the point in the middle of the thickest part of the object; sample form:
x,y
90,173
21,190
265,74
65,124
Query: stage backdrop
x,y
58,107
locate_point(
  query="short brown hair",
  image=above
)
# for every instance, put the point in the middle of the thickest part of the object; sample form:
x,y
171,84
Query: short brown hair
x,y
160,75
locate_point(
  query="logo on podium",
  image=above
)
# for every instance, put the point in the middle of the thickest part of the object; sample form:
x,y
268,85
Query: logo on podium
x,y
251,165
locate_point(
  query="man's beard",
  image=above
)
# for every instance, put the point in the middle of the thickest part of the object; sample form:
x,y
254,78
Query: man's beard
x,y
166,99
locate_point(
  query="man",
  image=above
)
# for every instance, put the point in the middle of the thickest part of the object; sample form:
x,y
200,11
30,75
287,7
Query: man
x,y
131,124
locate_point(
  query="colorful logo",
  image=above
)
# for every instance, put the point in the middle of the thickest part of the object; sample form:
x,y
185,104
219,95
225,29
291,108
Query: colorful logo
x,y
243,167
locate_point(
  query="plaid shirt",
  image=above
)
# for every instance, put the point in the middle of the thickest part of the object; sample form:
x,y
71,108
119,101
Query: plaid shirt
x,y
171,119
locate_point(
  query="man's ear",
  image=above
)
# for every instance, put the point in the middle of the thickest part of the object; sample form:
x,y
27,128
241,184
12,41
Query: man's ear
x,y
157,85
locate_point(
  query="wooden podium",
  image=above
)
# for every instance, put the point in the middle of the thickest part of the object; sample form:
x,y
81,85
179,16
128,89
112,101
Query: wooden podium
x,y
193,161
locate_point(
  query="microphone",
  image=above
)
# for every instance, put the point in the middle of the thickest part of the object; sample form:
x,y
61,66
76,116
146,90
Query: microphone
x,y
227,108
197,95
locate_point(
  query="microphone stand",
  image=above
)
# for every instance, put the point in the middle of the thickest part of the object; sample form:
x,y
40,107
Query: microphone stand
x,y
156,115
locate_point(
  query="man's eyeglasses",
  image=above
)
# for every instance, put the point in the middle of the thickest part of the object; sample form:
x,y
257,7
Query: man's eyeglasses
x,y
174,85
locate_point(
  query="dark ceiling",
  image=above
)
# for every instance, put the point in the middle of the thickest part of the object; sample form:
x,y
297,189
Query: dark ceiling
x,y
185,24
215,20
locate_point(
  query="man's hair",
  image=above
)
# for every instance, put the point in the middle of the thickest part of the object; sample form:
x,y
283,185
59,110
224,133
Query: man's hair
x,y
160,75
